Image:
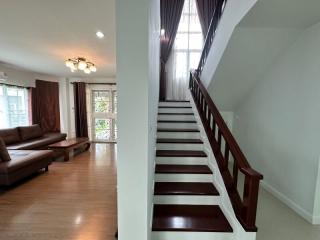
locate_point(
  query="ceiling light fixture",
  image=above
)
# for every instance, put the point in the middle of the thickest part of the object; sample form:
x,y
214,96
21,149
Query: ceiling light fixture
x,y
100,34
80,63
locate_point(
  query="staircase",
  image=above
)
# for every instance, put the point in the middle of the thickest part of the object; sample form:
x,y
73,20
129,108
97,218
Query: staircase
x,y
186,200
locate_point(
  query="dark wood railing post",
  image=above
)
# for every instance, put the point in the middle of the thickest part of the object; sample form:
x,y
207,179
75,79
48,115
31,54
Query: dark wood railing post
x,y
250,200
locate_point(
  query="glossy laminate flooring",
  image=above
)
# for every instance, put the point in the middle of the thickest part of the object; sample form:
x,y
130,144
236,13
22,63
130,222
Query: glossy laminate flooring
x,y
75,200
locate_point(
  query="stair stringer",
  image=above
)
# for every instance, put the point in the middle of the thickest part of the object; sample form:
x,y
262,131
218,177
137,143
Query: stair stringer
x,y
224,200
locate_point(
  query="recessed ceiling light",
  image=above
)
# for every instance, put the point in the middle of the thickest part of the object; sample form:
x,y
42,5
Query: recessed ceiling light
x,y
100,34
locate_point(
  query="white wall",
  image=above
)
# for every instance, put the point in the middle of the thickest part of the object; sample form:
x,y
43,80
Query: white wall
x,y
154,73
137,81
249,53
233,13
277,125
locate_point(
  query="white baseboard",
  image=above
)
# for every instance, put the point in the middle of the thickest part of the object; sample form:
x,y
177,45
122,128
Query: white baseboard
x,y
294,206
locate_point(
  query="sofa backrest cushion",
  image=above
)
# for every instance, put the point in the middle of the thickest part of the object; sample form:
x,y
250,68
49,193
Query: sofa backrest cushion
x,y
10,135
4,155
30,132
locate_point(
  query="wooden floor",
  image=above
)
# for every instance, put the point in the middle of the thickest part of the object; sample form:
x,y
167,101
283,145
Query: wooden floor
x,y
75,200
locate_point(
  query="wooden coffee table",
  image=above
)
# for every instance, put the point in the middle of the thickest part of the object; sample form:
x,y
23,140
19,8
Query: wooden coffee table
x,y
69,145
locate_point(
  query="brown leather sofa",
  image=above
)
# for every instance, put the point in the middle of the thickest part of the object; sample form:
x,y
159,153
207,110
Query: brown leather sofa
x,y
23,163
27,147
29,138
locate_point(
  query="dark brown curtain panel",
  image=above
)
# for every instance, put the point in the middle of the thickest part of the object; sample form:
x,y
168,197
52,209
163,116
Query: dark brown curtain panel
x,y
206,10
80,109
170,17
45,105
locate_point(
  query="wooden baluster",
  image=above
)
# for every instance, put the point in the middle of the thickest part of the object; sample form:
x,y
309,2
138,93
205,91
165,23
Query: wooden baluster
x,y
226,154
219,139
213,127
235,174
209,119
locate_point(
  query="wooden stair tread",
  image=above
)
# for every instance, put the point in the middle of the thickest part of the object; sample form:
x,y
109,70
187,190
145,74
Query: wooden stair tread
x,y
178,130
180,153
185,188
177,121
182,169
182,141
192,218
175,113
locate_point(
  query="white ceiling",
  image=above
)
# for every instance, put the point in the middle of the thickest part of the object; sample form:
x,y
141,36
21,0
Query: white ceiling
x,y
283,14
38,35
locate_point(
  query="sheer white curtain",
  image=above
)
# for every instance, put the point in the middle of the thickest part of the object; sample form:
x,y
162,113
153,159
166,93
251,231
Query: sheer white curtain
x,y
13,106
186,52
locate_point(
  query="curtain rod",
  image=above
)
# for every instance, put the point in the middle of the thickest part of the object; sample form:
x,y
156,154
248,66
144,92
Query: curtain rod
x,y
12,85
96,83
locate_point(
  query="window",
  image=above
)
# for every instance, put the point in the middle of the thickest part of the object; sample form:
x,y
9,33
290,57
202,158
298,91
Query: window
x,y
104,109
186,51
13,106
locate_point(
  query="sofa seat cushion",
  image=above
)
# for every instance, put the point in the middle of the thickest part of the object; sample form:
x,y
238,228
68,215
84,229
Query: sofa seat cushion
x,y
23,158
30,132
10,135
44,141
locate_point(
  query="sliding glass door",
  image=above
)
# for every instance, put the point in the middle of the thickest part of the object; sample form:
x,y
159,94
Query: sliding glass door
x,y
104,114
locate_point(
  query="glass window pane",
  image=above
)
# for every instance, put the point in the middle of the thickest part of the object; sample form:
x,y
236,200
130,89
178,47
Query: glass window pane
x,y
102,129
195,24
186,7
181,70
181,41
101,101
193,7
183,25
195,41
194,59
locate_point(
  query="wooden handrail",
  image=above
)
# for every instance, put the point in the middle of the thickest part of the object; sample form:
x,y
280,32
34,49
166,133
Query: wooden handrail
x,y
217,130
211,33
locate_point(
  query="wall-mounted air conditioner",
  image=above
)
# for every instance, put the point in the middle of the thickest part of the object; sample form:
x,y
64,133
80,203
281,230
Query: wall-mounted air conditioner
x,y
3,76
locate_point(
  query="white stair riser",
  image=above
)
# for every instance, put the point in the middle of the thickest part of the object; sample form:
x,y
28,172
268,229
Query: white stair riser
x,y
164,177
176,117
179,146
192,236
179,135
182,160
184,199
174,104
175,110
178,125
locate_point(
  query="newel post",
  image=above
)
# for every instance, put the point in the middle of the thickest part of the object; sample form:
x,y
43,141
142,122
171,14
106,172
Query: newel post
x,y
250,201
